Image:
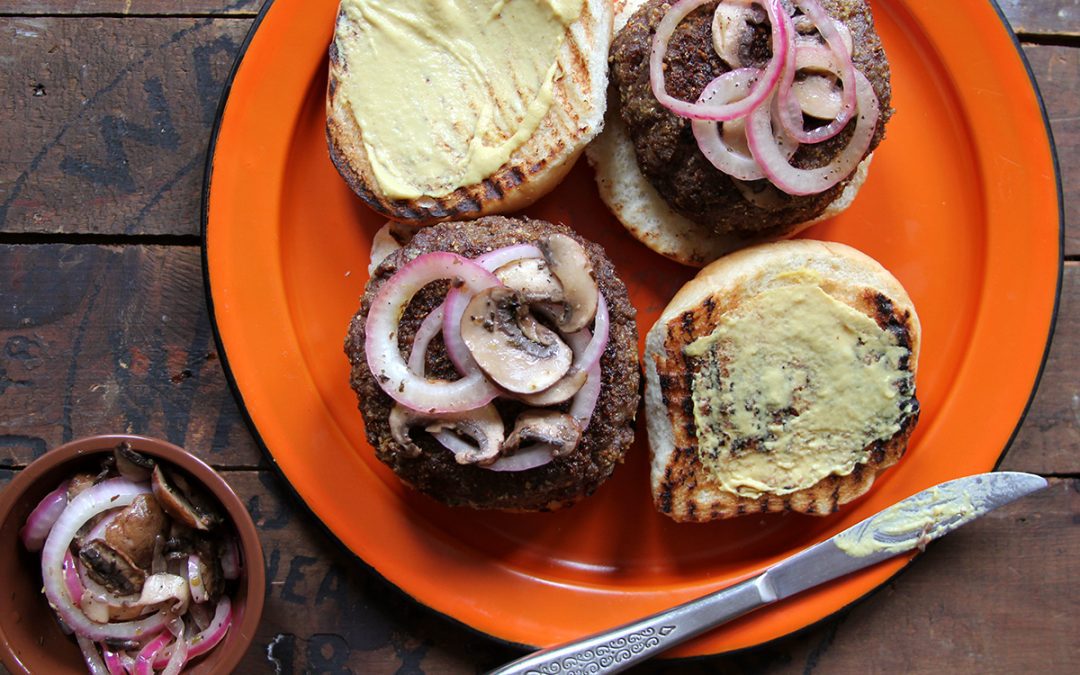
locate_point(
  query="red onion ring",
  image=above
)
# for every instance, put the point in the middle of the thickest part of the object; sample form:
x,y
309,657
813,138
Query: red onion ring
x,y
205,640
508,254
790,112
113,663
811,181
431,326
721,155
43,517
179,656
384,357
195,579
454,444
90,655
72,581
144,662
781,40
110,494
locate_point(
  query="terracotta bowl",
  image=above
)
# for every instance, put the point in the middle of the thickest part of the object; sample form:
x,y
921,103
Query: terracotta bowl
x,y
30,638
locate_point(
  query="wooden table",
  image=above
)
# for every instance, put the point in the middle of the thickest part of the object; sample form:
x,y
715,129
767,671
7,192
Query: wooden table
x,y
106,108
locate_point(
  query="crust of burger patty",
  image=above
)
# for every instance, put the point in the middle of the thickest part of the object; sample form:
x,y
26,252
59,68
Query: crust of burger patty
x,y
680,486
636,203
576,116
435,472
649,218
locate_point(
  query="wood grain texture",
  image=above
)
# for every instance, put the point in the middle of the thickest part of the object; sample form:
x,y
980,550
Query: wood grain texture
x,y
114,118
98,339
1027,17
243,8
1042,17
106,122
1048,440
1057,71
966,605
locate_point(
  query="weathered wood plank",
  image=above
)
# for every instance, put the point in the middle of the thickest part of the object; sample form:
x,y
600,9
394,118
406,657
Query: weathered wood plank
x,y
967,603
106,122
1042,17
135,7
114,117
1050,435
996,596
1057,70
104,340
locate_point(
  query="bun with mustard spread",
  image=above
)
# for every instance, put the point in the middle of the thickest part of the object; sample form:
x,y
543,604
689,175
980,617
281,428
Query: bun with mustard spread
x,y
780,378
495,364
449,110
738,121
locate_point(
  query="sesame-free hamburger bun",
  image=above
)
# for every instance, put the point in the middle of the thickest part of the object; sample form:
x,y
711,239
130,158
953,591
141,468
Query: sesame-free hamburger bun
x,y
439,112
781,378
651,166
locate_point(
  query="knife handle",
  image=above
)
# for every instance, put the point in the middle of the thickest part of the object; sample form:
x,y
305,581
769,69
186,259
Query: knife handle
x,y
619,648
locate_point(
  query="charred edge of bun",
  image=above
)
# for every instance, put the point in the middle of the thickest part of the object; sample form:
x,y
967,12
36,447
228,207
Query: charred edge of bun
x,y
566,479
848,276
533,170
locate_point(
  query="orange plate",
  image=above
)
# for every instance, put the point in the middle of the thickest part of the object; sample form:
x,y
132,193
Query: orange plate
x,y
961,205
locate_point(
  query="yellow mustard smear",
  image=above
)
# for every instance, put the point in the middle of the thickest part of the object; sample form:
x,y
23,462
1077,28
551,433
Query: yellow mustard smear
x,y
445,90
791,387
912,523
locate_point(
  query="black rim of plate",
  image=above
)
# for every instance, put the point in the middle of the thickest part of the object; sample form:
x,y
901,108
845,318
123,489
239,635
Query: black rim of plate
x,y
297,498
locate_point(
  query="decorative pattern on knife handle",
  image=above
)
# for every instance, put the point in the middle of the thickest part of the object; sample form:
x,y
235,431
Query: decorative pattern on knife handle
x,y
594,659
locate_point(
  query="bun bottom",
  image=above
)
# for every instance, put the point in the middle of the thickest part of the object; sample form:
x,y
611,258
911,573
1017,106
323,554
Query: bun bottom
x,y
645,214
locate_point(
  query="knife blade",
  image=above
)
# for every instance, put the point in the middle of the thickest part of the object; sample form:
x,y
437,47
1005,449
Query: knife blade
x,y
909,524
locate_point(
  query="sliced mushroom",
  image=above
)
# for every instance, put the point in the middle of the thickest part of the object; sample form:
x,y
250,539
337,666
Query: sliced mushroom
x,y
133,465
571,265
729,29
111,569
559,430
818,96
180,502
563,390
162,587
78,483
532,277
515,350
390,237
134,531
482,427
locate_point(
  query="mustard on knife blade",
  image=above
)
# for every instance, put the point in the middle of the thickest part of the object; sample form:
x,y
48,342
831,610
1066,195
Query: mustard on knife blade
x,y
445,90
793,386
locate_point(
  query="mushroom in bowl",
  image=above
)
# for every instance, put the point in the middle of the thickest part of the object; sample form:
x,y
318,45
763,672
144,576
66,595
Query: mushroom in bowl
x,y
126,554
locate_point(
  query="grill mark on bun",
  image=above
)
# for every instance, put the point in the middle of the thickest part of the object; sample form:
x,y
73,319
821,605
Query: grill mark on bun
x,y
673,372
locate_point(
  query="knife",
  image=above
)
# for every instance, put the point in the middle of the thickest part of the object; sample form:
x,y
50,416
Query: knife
x,y
906,525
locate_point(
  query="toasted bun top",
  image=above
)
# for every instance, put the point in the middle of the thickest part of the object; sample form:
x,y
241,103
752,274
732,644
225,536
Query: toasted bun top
x,y
683,487
574,117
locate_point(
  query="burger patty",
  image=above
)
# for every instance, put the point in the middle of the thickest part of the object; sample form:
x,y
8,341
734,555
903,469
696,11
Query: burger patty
x,y
668,154
435,471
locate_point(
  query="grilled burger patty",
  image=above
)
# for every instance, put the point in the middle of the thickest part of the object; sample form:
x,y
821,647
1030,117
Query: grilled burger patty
x,y
667,153
435,472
